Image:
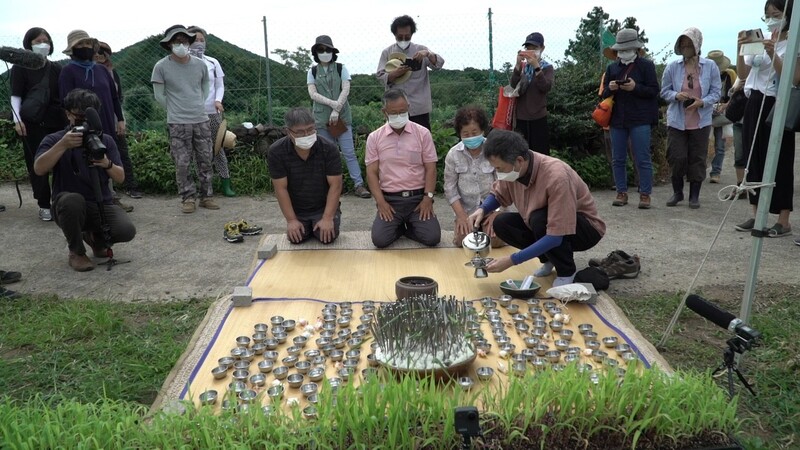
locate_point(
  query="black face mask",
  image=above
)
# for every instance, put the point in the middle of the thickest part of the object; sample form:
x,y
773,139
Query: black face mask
x,y
83,54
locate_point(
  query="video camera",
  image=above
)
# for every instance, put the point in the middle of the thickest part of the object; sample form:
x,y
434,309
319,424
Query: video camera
x,y
92,131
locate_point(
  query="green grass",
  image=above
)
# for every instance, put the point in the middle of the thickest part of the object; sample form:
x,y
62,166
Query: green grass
x,y
74,368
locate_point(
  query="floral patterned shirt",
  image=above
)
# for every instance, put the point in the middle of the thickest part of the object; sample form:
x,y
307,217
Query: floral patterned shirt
x,y
467,179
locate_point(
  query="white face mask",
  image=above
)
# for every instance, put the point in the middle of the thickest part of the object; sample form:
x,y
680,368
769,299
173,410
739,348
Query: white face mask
x,y
626,56
397,121
180,50
325,57
41,49
403,44
774,24
305,142
508,176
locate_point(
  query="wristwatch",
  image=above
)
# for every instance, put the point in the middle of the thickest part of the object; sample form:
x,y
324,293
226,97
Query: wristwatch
x,y
110,165
430,195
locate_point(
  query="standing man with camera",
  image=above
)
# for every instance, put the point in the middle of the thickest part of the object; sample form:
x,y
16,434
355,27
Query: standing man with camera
x,y
72,154
418,59
181,85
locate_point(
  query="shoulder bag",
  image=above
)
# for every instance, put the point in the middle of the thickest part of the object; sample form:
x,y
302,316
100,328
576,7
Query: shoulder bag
x,y
602,112
34,105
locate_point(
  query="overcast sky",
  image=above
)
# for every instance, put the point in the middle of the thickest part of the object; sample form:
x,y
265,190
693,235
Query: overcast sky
x,y
458,30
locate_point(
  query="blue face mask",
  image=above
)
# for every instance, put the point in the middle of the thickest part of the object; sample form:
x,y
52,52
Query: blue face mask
x,y
473,142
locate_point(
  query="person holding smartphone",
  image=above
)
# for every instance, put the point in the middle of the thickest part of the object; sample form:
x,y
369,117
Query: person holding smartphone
x,y
691,86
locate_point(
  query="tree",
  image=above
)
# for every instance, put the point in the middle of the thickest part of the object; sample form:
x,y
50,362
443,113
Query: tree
x,y
596,31
299,59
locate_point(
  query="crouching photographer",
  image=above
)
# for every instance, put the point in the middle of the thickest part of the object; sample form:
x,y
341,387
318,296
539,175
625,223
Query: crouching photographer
x,y
82,160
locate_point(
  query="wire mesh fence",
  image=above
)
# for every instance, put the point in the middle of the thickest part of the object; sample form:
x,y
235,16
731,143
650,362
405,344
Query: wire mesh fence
x,y
478,47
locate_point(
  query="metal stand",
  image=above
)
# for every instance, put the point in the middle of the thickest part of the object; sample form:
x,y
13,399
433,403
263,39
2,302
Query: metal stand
x,y
729,364
104,226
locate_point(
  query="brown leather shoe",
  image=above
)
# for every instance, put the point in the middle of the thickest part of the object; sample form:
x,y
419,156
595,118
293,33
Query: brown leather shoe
x,y
80,263
208,203
188,206
644,201
621,200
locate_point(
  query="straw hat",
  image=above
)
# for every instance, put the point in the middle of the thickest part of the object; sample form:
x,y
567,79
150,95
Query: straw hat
x,y
723,62
220,138
74,37
397,60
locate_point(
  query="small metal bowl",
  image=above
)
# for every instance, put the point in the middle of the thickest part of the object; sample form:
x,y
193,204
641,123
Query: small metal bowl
x,y
281,337
584,328
330,334
302,367
316,374
344,333
592,344
622,348
261,328
336,355
589,336
289,324
556,325
241,365
339,342
465,383
574,351
541,349
266,365
534,311
271,343
519,369
241,374
561,344
629,356
540,363
366,319
610,362
258,380
258,337
309,389
310,412
319,360
553,356
236,352
329,328
328,349
313,399
275,393
276,320
299,341
528,353
219,372
248,354
259,348
346,312
548,304
226,361
531,341
353,354
571,357
504,300
484,373
553,311
369,373
343,322
335,382
323,341
295,380
311,353
355,342
599,355
372,360
349,362
508,347
521,327
610,341
237,386
208,397
271,355
519,357
290,361
566,334
293,350
242,341
280,372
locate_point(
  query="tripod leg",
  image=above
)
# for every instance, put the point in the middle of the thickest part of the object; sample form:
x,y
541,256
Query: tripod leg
x,y
744,381
730,382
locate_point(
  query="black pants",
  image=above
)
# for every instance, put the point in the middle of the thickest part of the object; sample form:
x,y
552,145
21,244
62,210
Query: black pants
x,y
422,119
74,215
784,174
687,151
309,221
39,184
122,145
537,133
512,229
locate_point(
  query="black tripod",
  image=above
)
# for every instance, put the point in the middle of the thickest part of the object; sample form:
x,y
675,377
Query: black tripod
x,y
735,345
104,226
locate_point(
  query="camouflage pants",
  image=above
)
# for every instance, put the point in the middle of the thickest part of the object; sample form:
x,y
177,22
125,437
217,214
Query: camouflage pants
x,y
187,142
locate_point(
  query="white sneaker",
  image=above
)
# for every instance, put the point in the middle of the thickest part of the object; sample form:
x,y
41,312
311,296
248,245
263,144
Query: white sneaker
x,y
44,214
545,270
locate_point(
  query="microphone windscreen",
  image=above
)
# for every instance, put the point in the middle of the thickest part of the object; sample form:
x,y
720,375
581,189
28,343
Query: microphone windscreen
x,y
710,311
93,119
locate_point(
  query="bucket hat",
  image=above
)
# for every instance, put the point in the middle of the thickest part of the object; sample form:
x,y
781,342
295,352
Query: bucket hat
x,y
627,39
171,32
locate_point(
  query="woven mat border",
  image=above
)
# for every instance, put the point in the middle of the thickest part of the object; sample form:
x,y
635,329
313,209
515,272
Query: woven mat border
x,y
352,240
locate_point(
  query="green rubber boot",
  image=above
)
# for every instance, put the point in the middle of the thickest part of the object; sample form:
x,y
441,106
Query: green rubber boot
x,y
226,188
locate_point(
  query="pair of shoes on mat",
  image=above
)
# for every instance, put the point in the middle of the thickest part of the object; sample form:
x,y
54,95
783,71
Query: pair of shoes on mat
x,y
235,231
618,264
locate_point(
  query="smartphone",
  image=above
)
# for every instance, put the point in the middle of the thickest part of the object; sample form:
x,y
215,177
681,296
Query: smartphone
x,y
687,103
754,44
625,81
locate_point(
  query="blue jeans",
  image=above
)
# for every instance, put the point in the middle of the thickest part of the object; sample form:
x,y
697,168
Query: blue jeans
x,y
345,143
719,152
640,142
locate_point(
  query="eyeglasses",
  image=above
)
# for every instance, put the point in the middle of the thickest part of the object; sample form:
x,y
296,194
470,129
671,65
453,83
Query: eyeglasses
x,y
691,84
766,18
308,131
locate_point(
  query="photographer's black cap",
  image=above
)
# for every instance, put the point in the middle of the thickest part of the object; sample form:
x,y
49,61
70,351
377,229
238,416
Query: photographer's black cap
x,y
535,39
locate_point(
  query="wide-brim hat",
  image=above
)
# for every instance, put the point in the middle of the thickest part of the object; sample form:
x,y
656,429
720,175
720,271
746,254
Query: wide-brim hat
x,y
171,32
326,41
220,137
723,62
74,37
230,140
395,63
627,39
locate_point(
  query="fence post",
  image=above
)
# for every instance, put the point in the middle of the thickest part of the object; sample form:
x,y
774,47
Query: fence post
x,y
491,52
269,82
